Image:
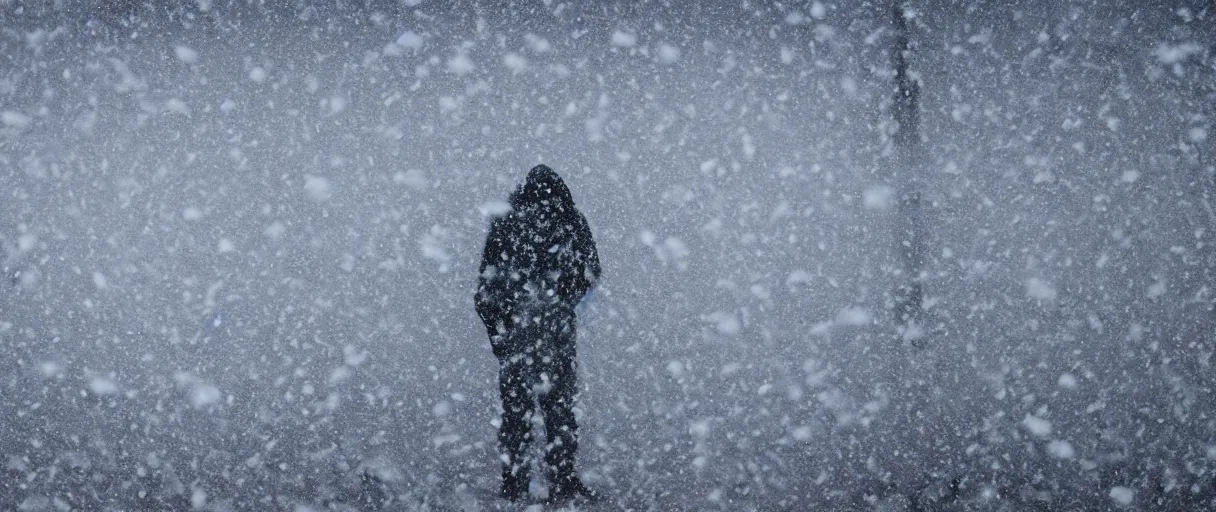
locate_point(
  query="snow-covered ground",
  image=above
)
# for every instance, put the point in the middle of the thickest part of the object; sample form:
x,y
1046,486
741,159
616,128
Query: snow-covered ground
x,y
239,246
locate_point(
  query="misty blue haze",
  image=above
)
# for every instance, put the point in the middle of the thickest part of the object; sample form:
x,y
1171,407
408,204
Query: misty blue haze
x,y
240,246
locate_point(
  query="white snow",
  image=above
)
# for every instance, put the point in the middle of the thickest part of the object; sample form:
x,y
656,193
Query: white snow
x,y
1039,289
204,394
1037,426
676,248
176,106
413,178
433,246
198,498
1060,449
336,104
818,11
102,385
1156,289
275,230
623,39
725,322
494,208
670,250
1122,495
460,64
411,40
1173,54
50,369
185,54
854,315
100,281
1197,134
26,242
799,277
442,408
352,356
339,374
699,429
318,187
515,62
878,197
295,217
821,328
14,119
537,44
667,53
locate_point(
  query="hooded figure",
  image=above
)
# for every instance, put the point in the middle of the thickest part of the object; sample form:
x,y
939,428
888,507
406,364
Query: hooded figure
x,y
539,261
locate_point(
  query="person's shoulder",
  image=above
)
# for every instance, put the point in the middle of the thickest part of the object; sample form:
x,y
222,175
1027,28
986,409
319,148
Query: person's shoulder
x,y
499,224
504,217
581,219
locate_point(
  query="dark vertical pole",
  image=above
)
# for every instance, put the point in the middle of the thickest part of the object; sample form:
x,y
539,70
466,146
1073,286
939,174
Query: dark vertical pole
x,y
909,227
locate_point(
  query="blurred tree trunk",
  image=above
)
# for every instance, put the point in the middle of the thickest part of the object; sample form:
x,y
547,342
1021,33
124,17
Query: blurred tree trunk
x,y
909,222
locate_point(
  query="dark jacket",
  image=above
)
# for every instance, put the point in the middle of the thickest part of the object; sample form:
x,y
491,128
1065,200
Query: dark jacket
x,y
538,254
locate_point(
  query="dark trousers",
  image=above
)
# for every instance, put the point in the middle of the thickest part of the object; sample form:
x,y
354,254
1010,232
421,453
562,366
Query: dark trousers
x,y
541,370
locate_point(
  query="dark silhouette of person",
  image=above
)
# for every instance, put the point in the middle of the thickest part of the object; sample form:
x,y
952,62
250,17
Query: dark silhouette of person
x,y
539,261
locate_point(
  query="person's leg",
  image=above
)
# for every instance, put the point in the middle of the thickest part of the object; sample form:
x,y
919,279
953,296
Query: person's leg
x,y
515,431
561,427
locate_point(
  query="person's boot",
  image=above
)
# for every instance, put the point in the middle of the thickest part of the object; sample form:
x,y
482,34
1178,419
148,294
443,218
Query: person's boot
x,y
566,489
514,484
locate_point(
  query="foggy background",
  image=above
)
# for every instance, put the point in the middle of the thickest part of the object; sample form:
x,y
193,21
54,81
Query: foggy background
x,y
240,244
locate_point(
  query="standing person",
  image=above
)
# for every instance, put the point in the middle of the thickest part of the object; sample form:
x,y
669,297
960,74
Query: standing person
x,y
539,261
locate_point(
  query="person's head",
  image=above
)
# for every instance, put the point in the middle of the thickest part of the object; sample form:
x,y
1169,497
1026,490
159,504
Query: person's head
x,y
543,187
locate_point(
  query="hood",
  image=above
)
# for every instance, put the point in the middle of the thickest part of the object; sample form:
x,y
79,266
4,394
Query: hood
x,y
542,188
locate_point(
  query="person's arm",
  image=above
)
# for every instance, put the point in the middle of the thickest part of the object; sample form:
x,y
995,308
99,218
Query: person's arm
x,y
489,300
588,252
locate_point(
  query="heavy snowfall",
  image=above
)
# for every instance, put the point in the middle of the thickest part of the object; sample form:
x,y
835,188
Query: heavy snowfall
x,y
240,242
